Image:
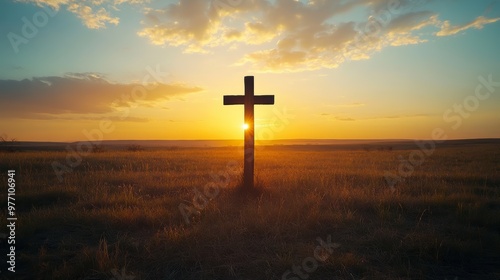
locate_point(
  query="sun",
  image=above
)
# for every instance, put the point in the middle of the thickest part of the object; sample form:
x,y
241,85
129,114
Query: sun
x,y
244,126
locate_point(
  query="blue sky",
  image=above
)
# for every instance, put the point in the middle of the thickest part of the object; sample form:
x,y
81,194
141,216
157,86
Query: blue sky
x,y
423,58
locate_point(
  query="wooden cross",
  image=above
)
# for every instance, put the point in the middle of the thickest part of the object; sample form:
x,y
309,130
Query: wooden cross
x,y
249,100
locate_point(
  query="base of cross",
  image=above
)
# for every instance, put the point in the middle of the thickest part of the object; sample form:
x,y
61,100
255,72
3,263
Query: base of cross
x,y
249,100
249,191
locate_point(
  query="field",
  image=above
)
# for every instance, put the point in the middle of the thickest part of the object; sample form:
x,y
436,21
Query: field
x,y
319,212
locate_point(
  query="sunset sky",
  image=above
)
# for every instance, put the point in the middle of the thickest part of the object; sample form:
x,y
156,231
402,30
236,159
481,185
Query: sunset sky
x,y
345,69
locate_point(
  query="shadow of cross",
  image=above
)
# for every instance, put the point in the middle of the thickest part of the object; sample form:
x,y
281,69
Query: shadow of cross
x,y
249,100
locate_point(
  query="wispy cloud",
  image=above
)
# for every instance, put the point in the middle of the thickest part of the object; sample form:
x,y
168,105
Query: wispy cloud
x,y
447,29
349,105
78,117
93,13
87,93
399,117
344,118
91,18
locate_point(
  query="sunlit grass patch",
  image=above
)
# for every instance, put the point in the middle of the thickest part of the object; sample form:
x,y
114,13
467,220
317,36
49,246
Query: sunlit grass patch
x,y
118,212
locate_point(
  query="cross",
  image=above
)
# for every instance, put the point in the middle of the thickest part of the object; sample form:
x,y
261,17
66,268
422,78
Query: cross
x,y
249,100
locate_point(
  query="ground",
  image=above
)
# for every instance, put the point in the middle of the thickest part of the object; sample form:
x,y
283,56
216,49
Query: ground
x,y
319,212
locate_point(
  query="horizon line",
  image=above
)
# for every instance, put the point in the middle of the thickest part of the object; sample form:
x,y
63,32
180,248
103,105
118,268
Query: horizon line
x,y
270,140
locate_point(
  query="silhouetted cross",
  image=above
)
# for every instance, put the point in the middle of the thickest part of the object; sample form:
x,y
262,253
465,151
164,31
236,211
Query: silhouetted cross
x,y
249,100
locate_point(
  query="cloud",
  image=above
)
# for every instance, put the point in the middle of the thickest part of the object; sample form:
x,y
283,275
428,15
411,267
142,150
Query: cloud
x,y
411,21
478,23
93,13
399,117
111,117
350,105
343,118
306,35
316,43
16,68
78,94
197,24
285,35
92,19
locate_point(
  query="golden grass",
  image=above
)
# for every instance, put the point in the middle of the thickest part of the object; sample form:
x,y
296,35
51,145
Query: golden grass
x,y
118,213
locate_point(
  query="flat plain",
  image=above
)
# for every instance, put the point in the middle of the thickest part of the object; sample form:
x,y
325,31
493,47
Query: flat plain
x,y
177,213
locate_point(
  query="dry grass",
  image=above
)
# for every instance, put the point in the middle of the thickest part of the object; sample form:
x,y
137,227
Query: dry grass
x,y
116,215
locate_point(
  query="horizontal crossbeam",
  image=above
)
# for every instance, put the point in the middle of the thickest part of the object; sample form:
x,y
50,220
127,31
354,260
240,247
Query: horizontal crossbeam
x,y
240,99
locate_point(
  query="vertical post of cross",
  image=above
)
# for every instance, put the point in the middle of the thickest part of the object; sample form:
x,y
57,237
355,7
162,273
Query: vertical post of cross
x,y
249,100
248,170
